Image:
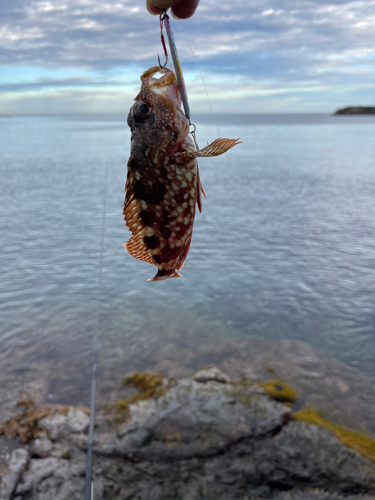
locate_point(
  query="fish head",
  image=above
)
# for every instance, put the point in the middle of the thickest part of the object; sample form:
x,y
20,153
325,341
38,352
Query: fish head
x,y
156,120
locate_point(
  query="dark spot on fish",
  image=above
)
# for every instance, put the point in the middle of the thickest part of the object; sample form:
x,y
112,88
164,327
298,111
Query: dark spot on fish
x,y
161,273
148,218
151,241
161,189
179,196
163,172
133,164
157,259
173,253
151,194
151,119
166,215
182,231
167,233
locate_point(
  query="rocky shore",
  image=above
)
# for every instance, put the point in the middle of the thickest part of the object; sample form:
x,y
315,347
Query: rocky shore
x,y
356,110
204,436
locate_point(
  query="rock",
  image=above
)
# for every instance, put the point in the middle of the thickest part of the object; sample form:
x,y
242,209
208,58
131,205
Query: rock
x,y
19,459
194,419
61,451
41,447
262,491
79,440
55,488
317,494
356,110
212,374
307,452
55,470
75,421
200,440
298,454
54,426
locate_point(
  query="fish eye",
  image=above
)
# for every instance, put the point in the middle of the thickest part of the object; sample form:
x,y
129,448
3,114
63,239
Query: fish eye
x,y
144,109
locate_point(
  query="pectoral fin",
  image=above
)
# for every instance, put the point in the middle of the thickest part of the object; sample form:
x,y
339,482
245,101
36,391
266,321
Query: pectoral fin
x,y
216,148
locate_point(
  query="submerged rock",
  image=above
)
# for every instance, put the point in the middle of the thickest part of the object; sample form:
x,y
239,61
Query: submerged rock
x,y
211,374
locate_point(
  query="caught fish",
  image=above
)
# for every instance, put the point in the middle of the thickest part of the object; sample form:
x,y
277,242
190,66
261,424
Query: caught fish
x,y
162,187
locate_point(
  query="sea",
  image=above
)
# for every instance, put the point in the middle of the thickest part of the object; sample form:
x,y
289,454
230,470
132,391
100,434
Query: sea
x,y
283,249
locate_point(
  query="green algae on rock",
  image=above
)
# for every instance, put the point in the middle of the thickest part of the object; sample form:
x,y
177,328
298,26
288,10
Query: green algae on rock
x,y
356,440
25,423
148,384
279,391
143,380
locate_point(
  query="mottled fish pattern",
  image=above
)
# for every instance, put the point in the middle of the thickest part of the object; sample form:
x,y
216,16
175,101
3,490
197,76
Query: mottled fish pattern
x,y
162,186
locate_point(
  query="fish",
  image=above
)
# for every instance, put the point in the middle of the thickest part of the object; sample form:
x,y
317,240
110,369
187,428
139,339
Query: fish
x,y
163,187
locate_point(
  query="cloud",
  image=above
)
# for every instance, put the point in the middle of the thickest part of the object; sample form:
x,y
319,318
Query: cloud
x,y
261,48
45,83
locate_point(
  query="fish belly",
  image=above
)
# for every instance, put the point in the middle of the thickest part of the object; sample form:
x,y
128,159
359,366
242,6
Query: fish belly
x,y
161,220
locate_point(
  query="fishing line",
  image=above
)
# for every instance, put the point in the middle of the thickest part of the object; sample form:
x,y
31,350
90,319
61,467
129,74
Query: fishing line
x,y
89,484
204,84
164,21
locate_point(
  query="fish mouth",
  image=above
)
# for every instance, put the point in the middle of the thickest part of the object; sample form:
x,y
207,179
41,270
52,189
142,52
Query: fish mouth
x,y
163,82
167,76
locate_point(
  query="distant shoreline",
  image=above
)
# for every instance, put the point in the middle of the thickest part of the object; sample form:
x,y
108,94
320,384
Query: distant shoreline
x,y
356,110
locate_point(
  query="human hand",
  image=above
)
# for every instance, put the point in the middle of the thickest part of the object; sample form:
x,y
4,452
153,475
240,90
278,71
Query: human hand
x,y
181,9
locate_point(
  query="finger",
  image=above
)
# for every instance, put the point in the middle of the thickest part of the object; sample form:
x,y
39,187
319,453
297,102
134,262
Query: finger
x,y
163,4
155,11
184,9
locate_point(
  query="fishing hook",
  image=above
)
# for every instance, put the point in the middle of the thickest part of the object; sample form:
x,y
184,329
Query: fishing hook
x,y
163,65
192,133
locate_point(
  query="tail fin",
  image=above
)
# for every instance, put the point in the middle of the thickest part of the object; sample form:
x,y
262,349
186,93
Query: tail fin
x,y
162,274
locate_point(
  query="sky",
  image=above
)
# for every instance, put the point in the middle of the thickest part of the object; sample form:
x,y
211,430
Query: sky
x,y
252,56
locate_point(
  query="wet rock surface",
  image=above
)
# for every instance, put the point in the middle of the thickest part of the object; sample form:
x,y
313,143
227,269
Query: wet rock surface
x,y
194,419
204,437
341,393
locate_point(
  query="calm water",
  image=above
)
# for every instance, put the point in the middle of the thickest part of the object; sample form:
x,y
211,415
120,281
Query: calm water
x,y
284,247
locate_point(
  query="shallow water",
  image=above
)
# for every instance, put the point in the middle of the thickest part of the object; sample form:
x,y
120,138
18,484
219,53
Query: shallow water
x,y
284,248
